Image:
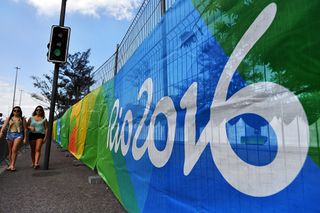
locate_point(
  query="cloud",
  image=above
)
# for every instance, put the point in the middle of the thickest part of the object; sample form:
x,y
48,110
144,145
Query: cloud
x,y
28,103
119,9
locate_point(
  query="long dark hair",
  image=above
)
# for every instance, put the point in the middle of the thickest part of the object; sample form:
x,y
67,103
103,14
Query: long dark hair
x,y
16,107
35,111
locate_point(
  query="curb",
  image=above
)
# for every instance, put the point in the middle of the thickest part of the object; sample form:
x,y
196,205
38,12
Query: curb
x,y
2,169
95,180
3,166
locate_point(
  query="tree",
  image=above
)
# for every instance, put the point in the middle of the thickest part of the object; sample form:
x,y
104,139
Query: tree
x,y
74,81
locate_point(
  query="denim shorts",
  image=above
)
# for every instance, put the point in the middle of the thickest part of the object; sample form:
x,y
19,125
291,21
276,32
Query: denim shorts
x,y
11,136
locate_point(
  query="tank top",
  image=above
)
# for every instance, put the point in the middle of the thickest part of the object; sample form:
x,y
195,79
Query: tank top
x,y
15,126
38,125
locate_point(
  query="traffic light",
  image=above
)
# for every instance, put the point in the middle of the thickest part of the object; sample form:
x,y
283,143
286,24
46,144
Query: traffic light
x,y
59,43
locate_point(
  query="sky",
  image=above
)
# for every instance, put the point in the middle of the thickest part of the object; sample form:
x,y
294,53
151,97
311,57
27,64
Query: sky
x,y
25,27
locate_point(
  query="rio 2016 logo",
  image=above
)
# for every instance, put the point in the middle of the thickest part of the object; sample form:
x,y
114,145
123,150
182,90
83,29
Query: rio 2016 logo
x,y
269,100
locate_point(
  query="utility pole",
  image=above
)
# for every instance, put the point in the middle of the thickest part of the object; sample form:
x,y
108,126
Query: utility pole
x,y
53,95
15,85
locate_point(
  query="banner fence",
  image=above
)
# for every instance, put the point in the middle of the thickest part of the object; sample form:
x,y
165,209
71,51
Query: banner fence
x,y
213,106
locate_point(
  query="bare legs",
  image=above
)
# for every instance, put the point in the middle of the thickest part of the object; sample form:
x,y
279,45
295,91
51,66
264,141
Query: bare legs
x,y
13,149
36,151
33,148
9,151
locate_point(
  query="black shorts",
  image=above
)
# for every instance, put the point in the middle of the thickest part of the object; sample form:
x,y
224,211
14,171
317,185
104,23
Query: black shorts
x,y
35,136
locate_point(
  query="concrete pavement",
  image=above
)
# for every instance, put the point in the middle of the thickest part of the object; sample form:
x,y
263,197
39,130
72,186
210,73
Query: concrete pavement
x,y
62,188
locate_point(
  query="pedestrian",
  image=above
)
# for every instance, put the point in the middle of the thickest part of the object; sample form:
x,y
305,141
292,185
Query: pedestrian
x,y
38,127
17,130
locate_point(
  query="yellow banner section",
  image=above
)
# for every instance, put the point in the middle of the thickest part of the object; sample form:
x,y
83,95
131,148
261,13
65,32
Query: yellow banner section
x,y
74,126
86,110
79,121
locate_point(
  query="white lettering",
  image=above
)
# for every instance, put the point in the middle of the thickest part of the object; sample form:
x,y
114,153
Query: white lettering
x,y
268,100
112,125
192,149
147,87
165,106
124,146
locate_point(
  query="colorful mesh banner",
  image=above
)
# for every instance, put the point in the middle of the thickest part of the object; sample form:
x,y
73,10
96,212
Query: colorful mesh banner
x,y
217,110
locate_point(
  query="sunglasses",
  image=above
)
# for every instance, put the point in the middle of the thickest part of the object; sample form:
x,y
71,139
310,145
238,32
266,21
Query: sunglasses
x,y
17,110
39,110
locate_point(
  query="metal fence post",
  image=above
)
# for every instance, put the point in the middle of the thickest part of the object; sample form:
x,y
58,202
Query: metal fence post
x,y
116,60
164,49
163,7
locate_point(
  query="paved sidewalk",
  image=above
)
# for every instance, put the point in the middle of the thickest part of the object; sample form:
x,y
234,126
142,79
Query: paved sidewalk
x,y
62,188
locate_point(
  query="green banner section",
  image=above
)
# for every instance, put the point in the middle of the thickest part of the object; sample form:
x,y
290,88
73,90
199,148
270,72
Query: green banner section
x,y
89,155
277,57
64,129
287,54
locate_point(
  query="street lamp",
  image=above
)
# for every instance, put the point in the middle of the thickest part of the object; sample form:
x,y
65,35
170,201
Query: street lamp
x,y
15,85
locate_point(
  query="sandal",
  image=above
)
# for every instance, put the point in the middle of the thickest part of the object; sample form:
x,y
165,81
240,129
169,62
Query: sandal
x,y
36,166
8,168
13,169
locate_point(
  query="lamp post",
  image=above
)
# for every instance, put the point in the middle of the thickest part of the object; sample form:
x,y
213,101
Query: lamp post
x,y
15,85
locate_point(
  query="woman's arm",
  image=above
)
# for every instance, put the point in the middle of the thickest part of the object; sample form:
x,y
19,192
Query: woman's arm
x,y
24,123
29,127
45,131
4,127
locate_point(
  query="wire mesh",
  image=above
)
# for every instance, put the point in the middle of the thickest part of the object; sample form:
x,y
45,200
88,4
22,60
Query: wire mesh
x,y
146,20
104,73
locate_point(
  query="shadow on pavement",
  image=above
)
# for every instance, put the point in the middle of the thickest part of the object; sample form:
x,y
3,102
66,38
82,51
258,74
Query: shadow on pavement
x,y
62,188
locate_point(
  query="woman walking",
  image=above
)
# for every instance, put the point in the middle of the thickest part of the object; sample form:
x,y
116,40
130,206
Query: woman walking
x,y
38,127
17,130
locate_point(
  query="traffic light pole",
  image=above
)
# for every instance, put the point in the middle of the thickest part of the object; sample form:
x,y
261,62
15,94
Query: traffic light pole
x,y
53,96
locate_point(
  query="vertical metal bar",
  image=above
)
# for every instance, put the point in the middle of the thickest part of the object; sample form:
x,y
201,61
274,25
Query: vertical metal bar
x,y
116,61
51,116
164,48
164,58
163,7
62,12
15,86
53,96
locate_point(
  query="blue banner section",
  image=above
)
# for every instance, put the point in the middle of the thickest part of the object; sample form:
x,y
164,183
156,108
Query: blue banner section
x,y
175,71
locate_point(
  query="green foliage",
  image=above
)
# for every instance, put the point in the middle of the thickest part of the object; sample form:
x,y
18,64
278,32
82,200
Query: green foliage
x,y
75,79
